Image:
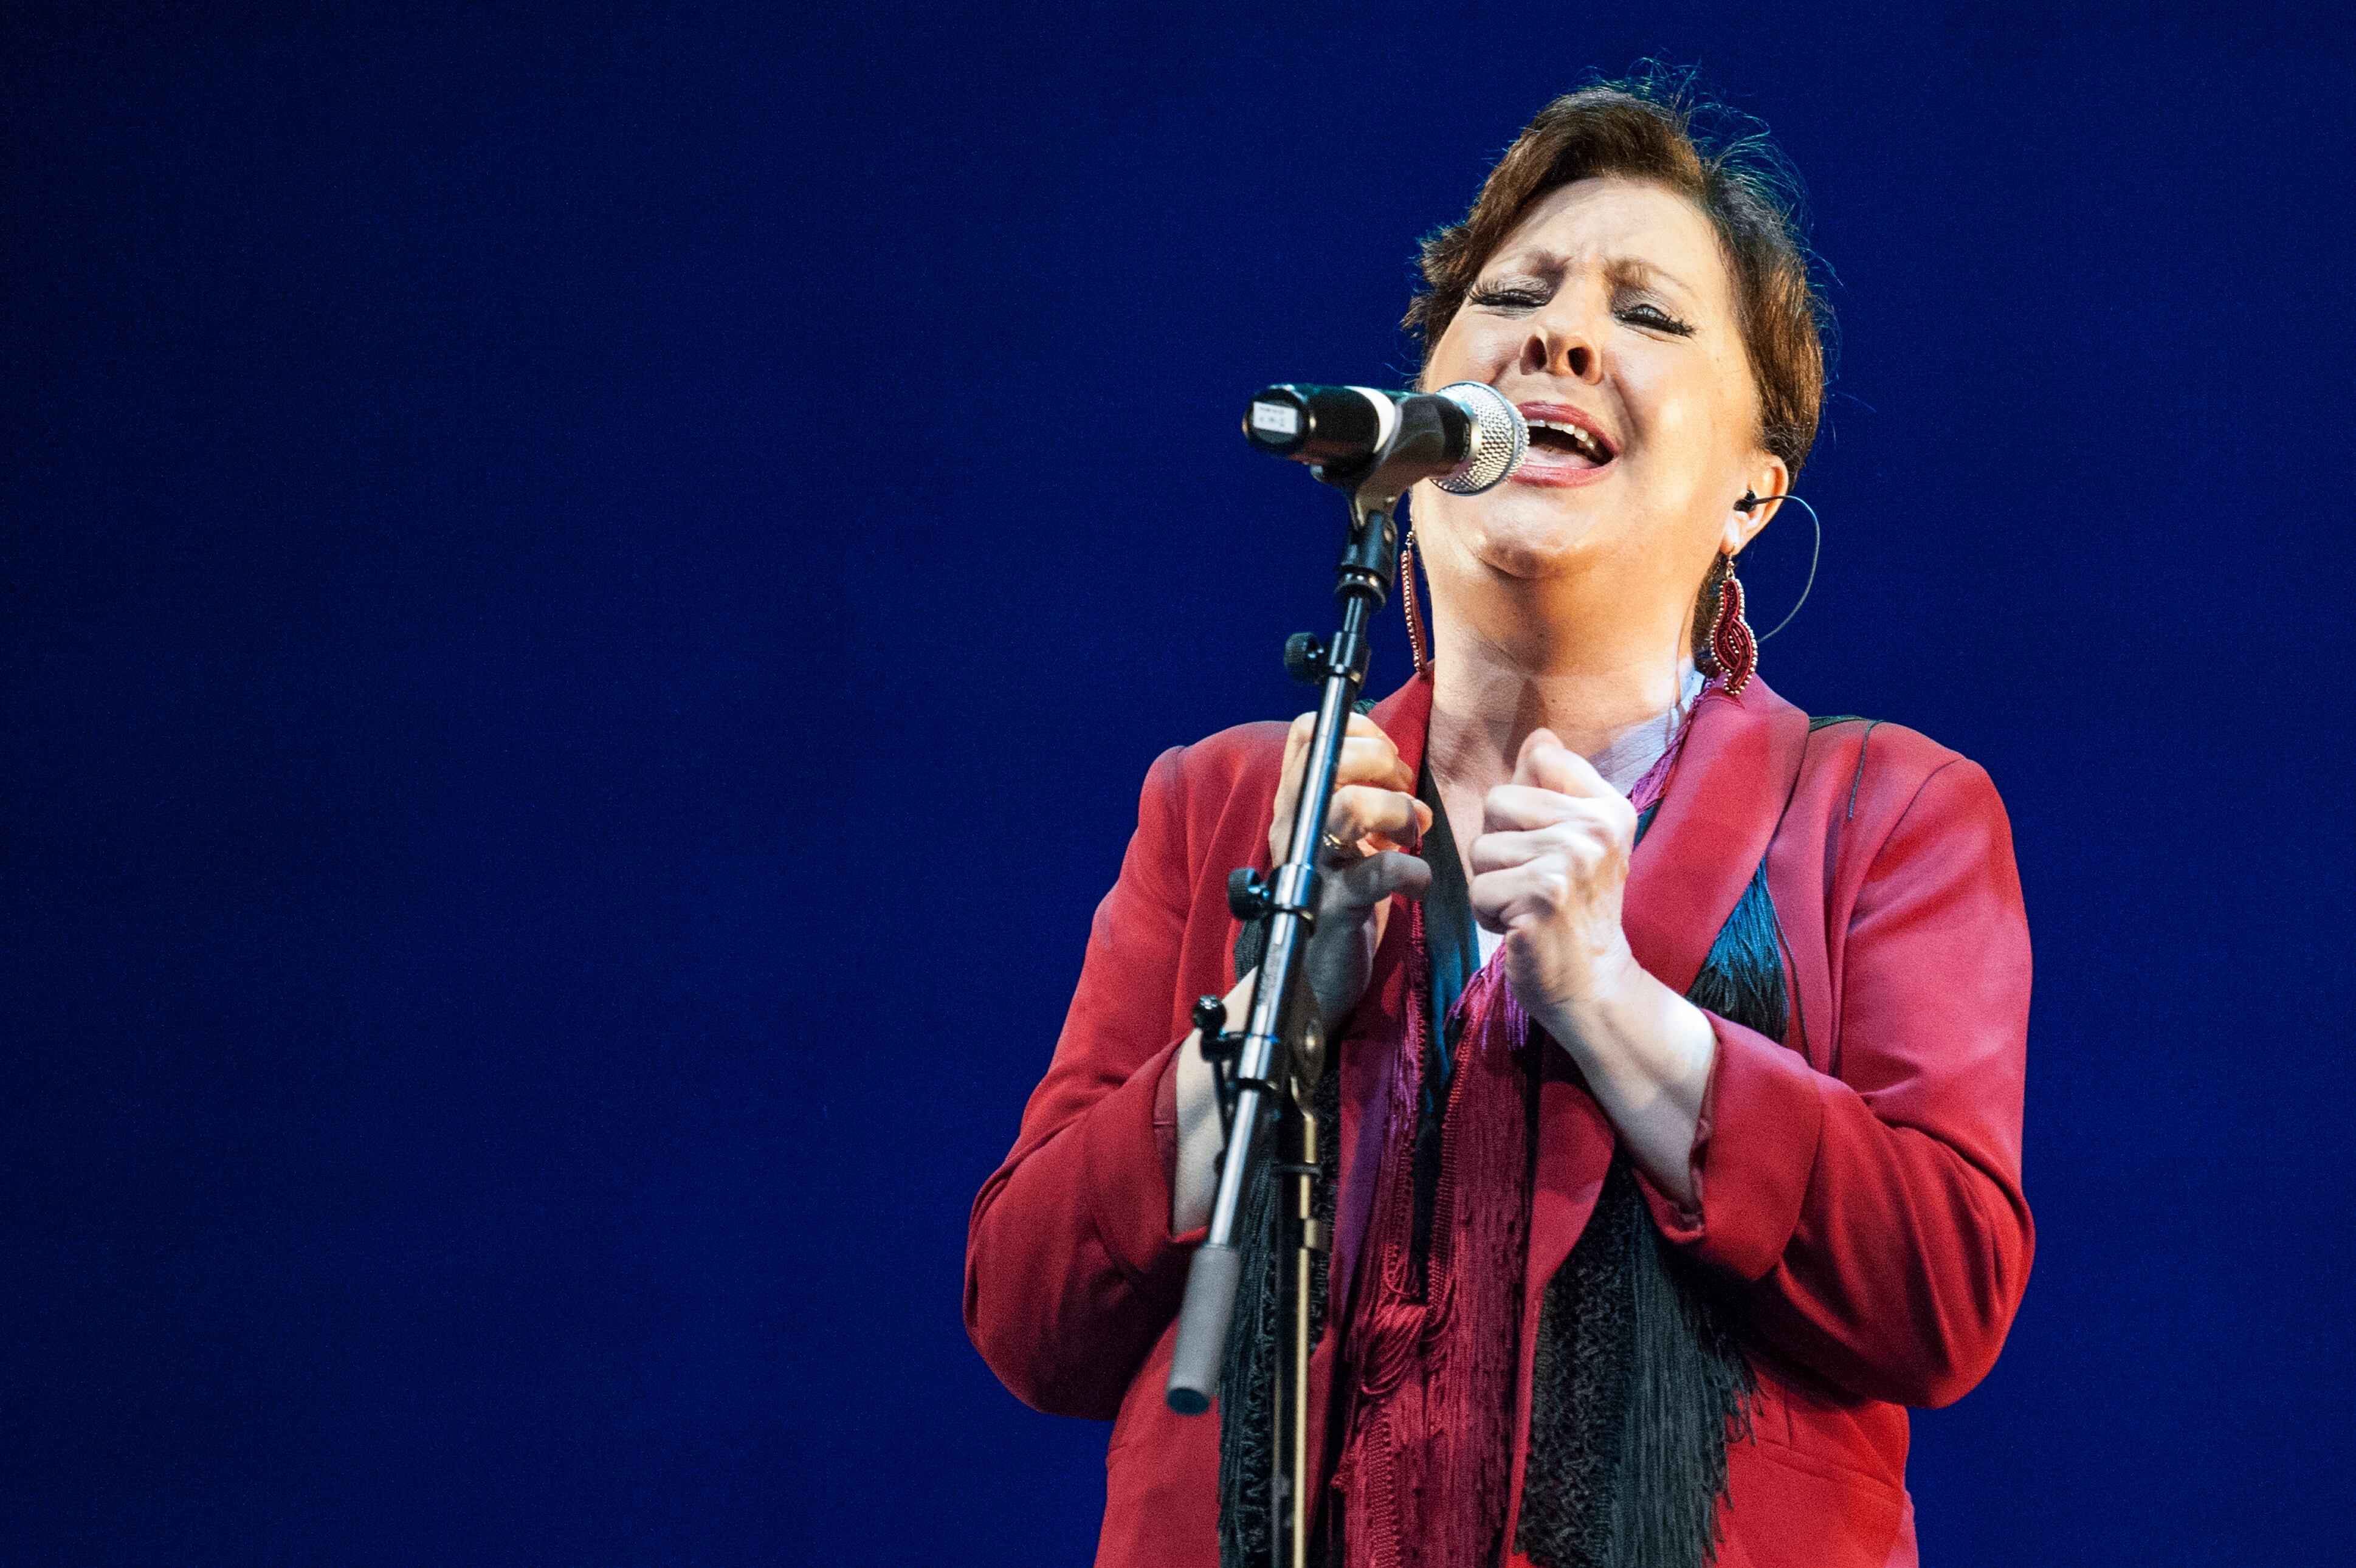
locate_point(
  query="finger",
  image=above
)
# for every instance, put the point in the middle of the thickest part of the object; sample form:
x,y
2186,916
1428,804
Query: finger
x,y
1581,848
1367,756
1359,810
1518,808
1515,808
1372,762
1288,782
1365,883
1546,763
1394,774
1296,747
1534,891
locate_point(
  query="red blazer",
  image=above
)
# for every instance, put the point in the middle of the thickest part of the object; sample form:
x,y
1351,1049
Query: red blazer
x,y
1860,1180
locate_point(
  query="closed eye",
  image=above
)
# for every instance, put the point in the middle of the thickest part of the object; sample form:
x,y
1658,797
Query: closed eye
x,y
1510,297
1645,313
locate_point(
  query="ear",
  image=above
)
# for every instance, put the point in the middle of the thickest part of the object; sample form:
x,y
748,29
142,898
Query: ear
x,y
1768,476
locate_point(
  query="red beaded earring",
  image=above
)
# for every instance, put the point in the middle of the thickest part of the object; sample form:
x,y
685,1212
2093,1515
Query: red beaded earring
x,y
1731,645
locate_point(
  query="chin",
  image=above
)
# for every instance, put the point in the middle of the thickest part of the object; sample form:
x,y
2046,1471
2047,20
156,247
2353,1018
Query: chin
x,y
1529,533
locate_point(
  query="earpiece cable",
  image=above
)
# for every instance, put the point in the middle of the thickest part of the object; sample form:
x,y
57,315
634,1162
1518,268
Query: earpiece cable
x,y
1816,553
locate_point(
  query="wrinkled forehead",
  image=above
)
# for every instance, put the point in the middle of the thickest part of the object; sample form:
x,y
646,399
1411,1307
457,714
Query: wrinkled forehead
x,y
1639,232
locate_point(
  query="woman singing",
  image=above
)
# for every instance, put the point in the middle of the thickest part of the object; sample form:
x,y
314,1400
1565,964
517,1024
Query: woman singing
x,y
1680,1034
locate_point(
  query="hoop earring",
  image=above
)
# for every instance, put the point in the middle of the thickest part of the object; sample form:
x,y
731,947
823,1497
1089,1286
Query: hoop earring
x,y
1415,640
1732,645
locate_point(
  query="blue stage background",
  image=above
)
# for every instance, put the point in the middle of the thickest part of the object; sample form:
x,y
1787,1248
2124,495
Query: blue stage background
x,y
588,590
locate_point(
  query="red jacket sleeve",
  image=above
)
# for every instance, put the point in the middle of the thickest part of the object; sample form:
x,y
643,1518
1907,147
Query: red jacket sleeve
x,y
1071,1272
1876,1210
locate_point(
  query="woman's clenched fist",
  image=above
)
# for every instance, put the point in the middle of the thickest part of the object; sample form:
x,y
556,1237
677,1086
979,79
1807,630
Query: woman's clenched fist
x,y
1548,870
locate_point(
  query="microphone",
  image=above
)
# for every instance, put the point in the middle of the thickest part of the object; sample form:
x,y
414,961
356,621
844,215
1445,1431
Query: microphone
x,y
1466,437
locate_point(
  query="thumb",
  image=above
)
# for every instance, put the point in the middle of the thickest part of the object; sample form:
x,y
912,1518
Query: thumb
x,y
1371,880
1538,739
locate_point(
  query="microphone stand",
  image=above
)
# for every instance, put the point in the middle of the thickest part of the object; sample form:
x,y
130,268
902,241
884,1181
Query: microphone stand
x,y
1272,1069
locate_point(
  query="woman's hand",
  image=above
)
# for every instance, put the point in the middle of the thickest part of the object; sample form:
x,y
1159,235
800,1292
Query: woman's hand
x,y
1549,870
1374,816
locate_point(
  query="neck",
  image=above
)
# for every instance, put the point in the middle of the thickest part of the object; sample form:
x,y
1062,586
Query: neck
x,y
1519,661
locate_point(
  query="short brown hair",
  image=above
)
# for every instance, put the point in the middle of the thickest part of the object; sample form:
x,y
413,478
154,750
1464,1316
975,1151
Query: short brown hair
x,y
1644,129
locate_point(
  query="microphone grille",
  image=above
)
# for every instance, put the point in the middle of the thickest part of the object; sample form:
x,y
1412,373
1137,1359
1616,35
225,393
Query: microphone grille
x,y
1497,443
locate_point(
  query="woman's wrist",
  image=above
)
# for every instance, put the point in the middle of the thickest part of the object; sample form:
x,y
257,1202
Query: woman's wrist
x,y
1594,1014
1629,1030
1646,1055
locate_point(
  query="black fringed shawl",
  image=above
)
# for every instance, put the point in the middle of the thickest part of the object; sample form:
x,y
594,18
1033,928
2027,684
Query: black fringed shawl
x,y
1639,1384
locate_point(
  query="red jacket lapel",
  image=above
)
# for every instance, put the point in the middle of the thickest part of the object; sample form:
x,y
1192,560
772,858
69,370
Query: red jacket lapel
x,y
1724,797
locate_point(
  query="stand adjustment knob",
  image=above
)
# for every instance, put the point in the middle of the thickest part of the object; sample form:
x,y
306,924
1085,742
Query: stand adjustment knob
x,y
1304,659
1247,896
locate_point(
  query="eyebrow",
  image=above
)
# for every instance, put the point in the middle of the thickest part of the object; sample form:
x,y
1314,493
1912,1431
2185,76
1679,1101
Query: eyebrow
x,y
1626,271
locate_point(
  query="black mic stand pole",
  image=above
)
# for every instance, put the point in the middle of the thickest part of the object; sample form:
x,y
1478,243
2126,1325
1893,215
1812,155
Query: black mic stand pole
x,y
1273,1069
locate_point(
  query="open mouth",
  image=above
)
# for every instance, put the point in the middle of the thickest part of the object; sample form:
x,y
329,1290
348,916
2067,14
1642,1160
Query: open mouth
x,y
1570,443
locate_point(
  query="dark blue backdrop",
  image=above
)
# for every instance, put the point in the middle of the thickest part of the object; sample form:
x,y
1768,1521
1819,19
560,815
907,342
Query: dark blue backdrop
x,y
588,590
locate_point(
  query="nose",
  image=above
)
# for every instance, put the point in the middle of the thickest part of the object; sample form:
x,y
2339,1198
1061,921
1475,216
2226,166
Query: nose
x,y
1561,342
